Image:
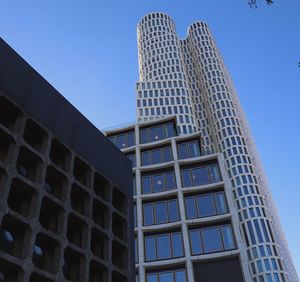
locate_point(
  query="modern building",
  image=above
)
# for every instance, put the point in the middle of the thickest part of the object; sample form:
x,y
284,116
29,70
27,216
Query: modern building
x,y
187,79
65,191
186,224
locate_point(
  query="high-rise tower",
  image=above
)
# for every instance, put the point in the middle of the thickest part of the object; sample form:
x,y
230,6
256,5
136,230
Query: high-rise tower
x,y
187,78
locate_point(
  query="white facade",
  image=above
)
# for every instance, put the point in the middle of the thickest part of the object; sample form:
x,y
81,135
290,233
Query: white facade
x,y
187,78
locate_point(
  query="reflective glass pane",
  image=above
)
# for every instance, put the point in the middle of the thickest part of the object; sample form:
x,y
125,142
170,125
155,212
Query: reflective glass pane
x,y
156,133
180,276
182,151
186,178
177,245
221,203
148,214
196,243
161,213
228,239
158,183
121,141
206,205
168,154
152,277
130,139
212,241
150,248
214,173
156,156
173,210
146,182
191,209
170,181
169,129
166,277
200,176
145,158
143,133
163,247
194,149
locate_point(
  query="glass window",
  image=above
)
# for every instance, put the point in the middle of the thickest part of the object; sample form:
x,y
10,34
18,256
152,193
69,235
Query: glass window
x,y
150,248
191,210
156,157
200,176
170,130
144,137
121,141
163,247
188,150
182,151
196,243
148,214
130,139
228,239
212,241
146,182
186,178
161,212
156,133
194,149
152,277
168,154
221,203
180,276
177,245
173,210
145,158
166,277
214,173
170,181
158,183
206,205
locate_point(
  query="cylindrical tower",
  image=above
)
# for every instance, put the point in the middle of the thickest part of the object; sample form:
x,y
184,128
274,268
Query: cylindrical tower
x,y
162,89
267,253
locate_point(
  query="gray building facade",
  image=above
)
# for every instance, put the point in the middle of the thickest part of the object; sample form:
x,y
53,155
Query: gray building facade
x,y
65,190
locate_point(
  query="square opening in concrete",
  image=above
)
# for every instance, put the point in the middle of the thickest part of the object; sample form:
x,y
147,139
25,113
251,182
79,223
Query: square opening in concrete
x,y
118,277
56,183
10,272
14,235
10,115
80,200
119,255
82,172
119,226
7,144
77,231
101,187
22,198
60,155
98,272
73,268
99,244
119,201
29,165
45,253
101,214
51,216
35,136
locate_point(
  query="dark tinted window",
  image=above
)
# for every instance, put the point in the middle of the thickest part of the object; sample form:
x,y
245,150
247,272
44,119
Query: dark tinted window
x,y
158,132
201,175
123,140
155,183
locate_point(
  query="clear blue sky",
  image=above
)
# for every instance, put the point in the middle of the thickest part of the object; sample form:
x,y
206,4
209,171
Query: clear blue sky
x,y
87,51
